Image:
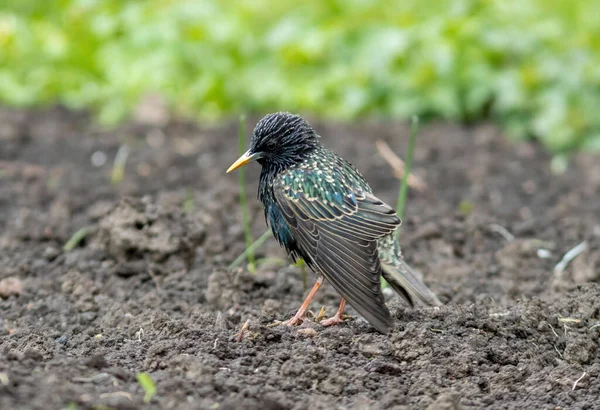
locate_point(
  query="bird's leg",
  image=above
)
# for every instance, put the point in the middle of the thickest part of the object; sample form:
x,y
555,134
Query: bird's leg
x,y
297,319
338,317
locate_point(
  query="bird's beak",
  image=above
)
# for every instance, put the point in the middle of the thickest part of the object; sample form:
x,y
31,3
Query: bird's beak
x,y
244,159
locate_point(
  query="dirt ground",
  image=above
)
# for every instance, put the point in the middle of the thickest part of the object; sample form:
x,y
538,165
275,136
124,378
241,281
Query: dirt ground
x,y
148,290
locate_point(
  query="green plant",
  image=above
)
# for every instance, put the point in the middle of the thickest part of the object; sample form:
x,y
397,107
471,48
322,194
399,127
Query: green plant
x,y
119,166
250,249
403,191
243,199
529,65
76,239
302,264
148,386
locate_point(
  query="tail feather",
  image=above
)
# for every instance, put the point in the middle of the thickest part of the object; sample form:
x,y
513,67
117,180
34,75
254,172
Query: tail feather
x,y
407,283
401,277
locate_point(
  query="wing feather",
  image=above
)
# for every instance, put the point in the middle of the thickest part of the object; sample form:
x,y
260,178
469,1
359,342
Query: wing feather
x,y
337,236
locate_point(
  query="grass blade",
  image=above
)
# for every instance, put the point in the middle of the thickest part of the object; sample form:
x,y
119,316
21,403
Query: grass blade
x,y
148,385
302,264
250,250
402,194
76,239
243,200
118,170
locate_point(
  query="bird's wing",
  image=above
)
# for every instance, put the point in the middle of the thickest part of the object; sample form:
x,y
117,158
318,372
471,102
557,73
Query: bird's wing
x,y
336,227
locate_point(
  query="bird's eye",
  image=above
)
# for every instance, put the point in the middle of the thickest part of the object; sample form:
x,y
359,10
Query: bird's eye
x,y
271,145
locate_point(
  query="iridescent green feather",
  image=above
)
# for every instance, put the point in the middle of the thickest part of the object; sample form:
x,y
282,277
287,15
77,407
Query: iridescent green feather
x,y
320,208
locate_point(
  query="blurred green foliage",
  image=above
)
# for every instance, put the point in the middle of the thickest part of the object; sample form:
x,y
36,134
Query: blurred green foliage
x,y
531,65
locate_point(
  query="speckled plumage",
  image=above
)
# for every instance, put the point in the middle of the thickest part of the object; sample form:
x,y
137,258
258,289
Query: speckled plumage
x,y
320,208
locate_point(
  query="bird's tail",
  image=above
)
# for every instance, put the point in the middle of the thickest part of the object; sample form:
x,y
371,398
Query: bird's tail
x,y
407,283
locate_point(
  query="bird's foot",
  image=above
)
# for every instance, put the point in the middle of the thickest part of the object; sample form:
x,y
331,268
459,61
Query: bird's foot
x,y
334,320
296,320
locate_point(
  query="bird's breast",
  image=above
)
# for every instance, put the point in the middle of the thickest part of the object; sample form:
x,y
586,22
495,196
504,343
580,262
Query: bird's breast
x,y
281,230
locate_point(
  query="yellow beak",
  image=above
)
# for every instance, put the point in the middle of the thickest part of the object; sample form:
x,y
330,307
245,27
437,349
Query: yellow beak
x,y
243,160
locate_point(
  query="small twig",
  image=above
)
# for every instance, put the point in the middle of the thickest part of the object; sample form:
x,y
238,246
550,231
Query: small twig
x,y
117,394
245,327
569,256
250,249
569,320
595,326
139,334
398,166
502,231
557,351
578,380
553,331
154,279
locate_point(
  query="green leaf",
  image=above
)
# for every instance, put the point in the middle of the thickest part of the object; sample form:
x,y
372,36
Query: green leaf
x,y
148,385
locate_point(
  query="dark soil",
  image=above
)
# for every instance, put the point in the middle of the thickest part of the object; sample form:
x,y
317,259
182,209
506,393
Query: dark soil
x,y
147,289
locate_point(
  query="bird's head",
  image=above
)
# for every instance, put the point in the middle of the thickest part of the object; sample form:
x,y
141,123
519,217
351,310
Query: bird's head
x,y
279,140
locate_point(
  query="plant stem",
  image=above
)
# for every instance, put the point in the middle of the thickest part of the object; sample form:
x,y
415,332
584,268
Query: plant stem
x,y
414,130
118,170
303,274
250,249
243,200
76,238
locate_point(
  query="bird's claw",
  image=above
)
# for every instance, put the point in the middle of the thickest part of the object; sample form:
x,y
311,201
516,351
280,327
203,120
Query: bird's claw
x,y
335,320
294,321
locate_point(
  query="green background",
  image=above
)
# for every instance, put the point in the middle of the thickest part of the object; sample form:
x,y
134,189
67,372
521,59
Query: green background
x,y
532,66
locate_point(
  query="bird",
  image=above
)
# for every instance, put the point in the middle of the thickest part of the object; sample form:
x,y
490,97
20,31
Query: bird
x,y
321,209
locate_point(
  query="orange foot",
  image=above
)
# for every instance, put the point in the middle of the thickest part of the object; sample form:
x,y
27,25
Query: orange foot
x,y
332,321
338,317
296,320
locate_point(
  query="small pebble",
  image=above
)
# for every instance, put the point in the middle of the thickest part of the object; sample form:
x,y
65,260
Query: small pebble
x,y
10,286
308,332
62,340
50,253
98,159
544,253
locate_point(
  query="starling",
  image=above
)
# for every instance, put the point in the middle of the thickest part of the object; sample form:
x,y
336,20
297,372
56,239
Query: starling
x,y
321,209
